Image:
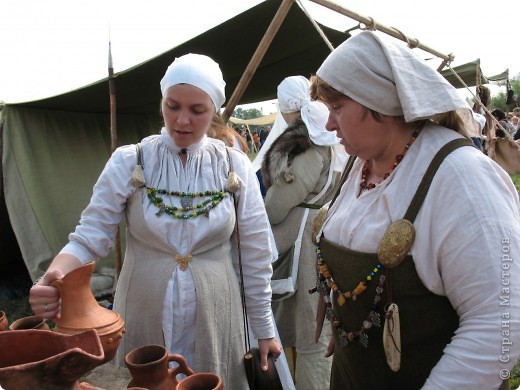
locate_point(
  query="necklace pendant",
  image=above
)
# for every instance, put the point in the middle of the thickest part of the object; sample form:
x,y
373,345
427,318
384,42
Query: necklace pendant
x,y
392,338
162,208
186,202
206,212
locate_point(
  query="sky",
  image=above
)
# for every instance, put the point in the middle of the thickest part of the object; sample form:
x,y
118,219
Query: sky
x,y
54,46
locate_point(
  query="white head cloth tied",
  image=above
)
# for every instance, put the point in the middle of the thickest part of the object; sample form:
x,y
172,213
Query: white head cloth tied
x,y
386,76
294,95
197,70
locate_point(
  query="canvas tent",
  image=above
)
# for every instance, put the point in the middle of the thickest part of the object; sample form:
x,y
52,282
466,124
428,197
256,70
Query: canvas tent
x,y
472,75
54,149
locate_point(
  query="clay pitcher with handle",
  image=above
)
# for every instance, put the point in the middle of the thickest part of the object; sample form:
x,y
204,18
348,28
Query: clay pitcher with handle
x,y
149,367
201,381
80,311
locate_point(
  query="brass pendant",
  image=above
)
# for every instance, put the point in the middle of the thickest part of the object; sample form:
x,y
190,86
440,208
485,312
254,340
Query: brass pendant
x,y
318,222
233,184
392,338
396,242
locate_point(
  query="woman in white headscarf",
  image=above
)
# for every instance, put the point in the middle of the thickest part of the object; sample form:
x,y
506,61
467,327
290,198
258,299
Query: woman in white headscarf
x,y
179,285
300,170
417,248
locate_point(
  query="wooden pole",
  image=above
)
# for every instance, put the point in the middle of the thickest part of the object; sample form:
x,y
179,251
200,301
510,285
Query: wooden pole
x,y
273,28
113,143
392,31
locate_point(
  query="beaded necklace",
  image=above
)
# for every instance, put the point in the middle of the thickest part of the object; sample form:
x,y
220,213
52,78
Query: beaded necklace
x,y
365,171
188,210
325,284
326,278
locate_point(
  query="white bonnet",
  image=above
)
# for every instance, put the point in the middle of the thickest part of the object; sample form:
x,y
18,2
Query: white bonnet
x,y
293,95
385,75
197,70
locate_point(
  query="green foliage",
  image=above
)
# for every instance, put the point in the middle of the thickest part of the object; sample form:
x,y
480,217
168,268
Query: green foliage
x,y
499,101
516,181
251,113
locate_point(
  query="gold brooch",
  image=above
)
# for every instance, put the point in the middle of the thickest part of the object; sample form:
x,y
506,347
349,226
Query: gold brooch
x,y
396,242
183,261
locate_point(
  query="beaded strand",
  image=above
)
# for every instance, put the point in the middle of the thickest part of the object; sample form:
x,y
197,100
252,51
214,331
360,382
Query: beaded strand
x,y
365,171
326,277
188,210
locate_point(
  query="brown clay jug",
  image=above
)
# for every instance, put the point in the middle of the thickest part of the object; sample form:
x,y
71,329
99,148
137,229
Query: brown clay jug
x,y
31,322
201,381
4,323
148,366
80,311
46,360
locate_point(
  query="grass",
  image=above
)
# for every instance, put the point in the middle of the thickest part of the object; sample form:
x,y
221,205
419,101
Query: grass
x,y
516,181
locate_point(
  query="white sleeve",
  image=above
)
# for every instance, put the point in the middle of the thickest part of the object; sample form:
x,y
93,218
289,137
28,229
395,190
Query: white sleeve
x,y
473,257
255,248
94,235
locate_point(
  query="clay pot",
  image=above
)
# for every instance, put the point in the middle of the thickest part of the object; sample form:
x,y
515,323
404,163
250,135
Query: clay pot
x,y
3,321
31,322
148,366
201,381
46,360
80,311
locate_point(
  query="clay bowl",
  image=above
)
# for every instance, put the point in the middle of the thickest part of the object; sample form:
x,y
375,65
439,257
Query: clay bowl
x,y
46,360
31,322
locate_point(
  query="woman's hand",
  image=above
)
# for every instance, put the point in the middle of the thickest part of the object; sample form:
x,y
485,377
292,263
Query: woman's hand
x,y
268,345
44,298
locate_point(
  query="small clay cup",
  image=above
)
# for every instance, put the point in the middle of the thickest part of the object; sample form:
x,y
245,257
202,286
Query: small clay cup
x,y
31,322
201,381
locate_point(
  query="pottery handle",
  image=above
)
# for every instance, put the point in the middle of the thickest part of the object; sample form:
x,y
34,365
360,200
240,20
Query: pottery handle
x,y
57,283
182,368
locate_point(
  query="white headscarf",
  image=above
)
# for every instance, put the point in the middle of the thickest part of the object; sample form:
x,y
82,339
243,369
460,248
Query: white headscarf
x,y
383,74
294,95
197,70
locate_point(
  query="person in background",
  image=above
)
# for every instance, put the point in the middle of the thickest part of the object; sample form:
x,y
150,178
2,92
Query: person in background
x,y
503,128
219,130
300,171
179,284
419,249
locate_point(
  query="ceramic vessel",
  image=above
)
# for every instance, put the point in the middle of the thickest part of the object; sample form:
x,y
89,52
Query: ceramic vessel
x,y
3,321
31,322
46,360
149,367
80,311
201,381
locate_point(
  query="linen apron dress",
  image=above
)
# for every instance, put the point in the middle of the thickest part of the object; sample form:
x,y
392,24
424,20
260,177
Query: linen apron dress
x,y
428,321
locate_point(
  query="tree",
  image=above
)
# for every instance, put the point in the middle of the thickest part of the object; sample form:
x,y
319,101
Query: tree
x,y
499,101
251,113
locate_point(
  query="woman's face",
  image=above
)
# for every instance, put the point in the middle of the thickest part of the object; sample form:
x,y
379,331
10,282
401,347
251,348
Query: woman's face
x,y
360,134
187,112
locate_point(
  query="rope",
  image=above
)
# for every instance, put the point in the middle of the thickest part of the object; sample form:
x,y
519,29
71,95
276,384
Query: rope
x,y
316,26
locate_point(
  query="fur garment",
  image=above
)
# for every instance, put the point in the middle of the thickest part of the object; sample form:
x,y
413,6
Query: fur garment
x,y
276,165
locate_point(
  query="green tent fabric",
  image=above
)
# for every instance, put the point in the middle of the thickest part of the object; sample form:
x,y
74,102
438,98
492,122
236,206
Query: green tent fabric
x,y
472,75
53,149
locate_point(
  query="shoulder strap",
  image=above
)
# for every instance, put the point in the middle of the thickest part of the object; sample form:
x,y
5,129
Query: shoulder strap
x,y
426,181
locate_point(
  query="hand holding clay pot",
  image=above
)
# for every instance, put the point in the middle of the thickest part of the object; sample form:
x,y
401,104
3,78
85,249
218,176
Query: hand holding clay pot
x,y
80,311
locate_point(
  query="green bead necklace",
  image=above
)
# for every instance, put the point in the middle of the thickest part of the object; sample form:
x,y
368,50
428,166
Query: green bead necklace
x,y
188,210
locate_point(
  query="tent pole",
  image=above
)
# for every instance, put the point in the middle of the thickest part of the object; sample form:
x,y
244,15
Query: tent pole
x,y
392,31
113,144
277,21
